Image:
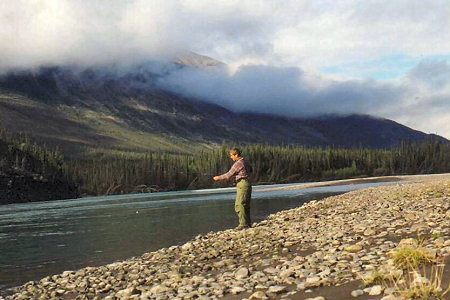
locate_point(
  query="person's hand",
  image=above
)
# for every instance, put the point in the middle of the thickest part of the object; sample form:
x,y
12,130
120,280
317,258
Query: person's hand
x,y
216,178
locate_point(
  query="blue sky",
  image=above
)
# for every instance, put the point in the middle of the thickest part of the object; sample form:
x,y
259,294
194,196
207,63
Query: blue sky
x,y
388,67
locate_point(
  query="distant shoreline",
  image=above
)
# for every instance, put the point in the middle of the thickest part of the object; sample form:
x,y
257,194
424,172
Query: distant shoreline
x,y
409,178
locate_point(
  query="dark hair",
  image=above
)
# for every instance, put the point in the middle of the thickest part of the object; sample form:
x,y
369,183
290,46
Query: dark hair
x,y
235,151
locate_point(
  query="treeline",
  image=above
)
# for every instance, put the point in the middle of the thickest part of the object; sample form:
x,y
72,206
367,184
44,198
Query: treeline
x,y
119,172
19,155
126,173
29,172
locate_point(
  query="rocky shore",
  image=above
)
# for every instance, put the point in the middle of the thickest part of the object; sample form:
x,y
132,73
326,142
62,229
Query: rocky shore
x,y
322,250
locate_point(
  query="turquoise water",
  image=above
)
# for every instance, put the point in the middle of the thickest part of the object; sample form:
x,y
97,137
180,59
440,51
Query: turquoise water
x,y
44,238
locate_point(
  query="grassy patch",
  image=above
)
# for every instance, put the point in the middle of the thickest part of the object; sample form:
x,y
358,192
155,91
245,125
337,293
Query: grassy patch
x,y
411,257
422,284
380,277
374,278
128,138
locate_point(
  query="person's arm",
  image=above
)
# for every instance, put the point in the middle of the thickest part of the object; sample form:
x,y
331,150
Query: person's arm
x,y
233,171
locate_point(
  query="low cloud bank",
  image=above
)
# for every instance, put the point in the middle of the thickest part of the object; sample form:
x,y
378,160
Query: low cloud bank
x,y
282,91
420,99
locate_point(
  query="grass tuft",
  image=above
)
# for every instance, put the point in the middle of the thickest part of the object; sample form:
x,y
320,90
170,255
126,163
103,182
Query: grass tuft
x,y
411,257
422,285
379,277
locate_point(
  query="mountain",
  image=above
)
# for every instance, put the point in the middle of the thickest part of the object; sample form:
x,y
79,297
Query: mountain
x,y
109,108
191,59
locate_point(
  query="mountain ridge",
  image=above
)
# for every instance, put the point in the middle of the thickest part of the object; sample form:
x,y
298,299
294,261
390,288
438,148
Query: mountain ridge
x,y
128,111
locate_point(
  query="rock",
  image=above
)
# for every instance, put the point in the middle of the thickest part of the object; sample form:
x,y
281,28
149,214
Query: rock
x,y
276,289
159,289
242,273
67,273
313,281
390,297
325,272
126,293
236,290
376,290
187,246
369,232
408,242
301,286
270,270
258,295
353,248
439,242
287,273
60,292
357,293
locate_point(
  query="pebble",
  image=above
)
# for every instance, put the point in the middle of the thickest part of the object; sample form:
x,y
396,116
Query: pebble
x,y
376,290
258,295
237,289
242,273
312,280
353,248
390,297
357,293
276,289
326,242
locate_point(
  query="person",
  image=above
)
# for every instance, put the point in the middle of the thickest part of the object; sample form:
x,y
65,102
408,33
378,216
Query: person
x,y
240,170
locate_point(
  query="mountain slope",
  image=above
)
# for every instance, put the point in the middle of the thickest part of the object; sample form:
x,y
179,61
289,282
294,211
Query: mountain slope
x,y
126,111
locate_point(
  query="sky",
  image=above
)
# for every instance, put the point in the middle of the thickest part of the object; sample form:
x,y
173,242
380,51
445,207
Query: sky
x,y
389,59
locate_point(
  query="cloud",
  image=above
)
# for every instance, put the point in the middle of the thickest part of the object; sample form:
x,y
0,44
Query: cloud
x,y
301,58
419,99
432,74
55,32
306,34
280,90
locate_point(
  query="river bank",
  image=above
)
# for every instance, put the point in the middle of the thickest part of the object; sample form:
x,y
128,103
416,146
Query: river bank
x,y
320,249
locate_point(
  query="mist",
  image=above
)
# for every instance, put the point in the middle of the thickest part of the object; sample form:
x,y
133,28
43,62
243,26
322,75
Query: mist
x,y
282,91
419,99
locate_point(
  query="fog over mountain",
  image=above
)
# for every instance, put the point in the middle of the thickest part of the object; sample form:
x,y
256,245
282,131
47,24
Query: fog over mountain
x,y
282,91
277,59
422,95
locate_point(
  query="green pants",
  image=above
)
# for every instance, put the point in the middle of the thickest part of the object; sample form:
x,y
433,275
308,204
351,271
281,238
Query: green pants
x,y
242,203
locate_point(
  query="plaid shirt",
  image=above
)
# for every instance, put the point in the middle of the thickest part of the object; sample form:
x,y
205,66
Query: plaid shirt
x,y
240,169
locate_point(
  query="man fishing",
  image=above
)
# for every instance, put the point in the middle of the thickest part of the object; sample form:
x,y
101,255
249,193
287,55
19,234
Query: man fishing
x,y
240,170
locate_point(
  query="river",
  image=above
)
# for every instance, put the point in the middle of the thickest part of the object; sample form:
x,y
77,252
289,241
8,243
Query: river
x,y
44,238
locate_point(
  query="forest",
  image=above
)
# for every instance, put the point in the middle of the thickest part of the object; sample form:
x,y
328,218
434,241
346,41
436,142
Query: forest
x,y
150,172
117,172
29,172
19,155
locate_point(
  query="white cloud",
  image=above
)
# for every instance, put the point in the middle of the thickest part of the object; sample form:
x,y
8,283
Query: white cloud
x,y
286,44
306,34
